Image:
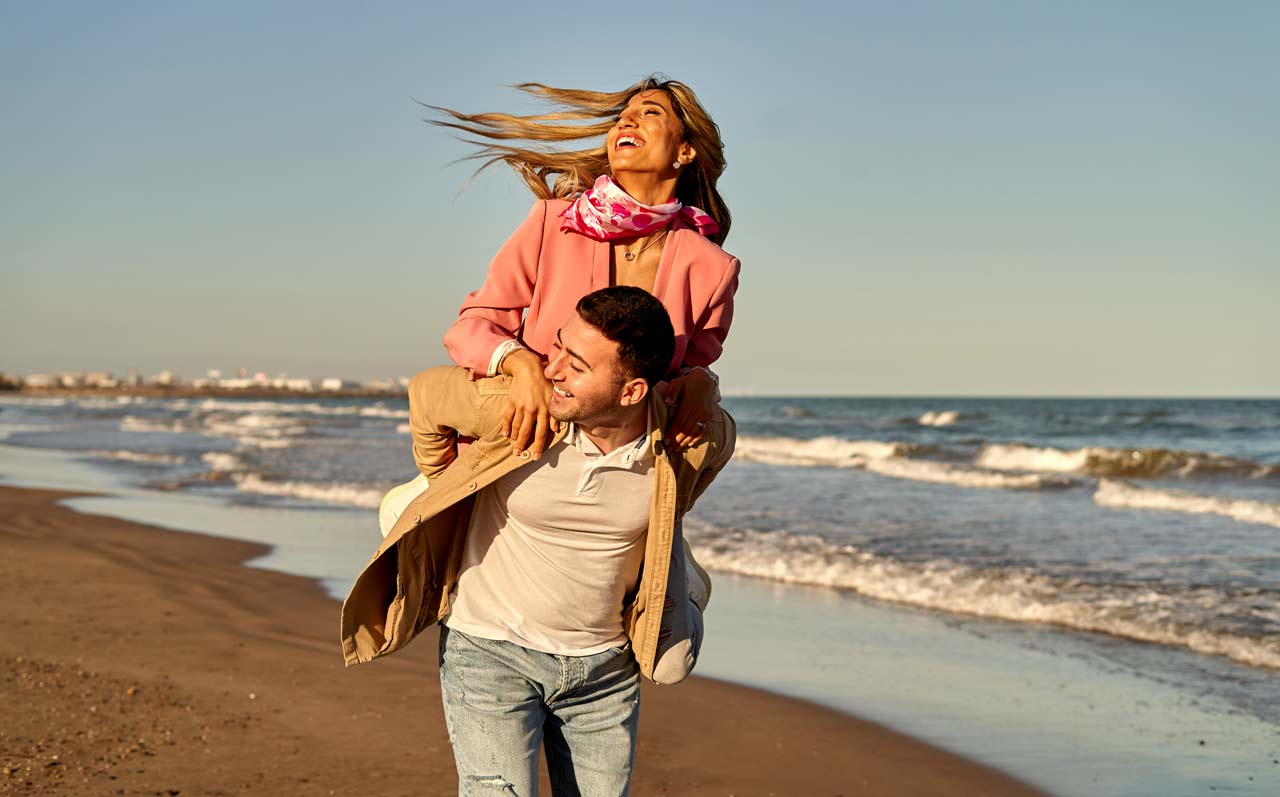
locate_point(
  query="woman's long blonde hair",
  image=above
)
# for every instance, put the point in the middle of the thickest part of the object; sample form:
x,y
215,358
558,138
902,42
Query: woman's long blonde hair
x,y
564,174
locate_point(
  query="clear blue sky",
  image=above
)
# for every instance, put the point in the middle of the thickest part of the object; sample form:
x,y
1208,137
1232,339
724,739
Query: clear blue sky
x,y
928,198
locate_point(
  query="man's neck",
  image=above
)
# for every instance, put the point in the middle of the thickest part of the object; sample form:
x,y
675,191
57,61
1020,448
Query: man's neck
x,y
615,434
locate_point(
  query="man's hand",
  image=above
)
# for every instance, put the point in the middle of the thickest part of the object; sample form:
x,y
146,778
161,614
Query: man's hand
x,y
694,398
526,422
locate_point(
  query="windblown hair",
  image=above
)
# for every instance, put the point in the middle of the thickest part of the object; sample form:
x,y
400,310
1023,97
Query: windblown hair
x,y
562,173
632,318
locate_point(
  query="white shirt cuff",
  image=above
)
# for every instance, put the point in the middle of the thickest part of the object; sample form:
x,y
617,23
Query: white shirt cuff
x,y
500,354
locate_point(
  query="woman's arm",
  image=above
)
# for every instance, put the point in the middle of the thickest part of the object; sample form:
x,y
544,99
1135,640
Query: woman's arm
x,y
707,340
695,393
491,316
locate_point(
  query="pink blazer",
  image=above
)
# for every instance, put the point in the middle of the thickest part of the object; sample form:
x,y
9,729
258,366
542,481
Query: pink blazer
x,y
538,276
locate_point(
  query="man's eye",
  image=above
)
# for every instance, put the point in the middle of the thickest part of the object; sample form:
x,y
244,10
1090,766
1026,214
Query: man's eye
x,y
576,368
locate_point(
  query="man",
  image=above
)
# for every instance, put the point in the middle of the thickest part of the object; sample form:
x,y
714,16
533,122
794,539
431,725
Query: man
x,y
561,580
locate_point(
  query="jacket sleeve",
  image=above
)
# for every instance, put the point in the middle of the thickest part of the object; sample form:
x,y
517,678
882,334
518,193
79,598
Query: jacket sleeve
x,y
707,341
445,402
493,314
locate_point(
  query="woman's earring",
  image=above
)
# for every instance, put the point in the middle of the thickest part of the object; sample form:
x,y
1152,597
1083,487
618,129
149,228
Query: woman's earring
x,y
676,165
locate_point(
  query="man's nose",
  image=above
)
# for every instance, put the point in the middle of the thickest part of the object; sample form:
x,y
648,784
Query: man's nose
x,y
553,367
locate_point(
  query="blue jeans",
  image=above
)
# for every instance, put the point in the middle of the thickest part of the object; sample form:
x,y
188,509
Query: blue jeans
x,y
503,701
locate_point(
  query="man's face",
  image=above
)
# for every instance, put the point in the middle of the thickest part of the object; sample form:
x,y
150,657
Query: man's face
x,y
584,375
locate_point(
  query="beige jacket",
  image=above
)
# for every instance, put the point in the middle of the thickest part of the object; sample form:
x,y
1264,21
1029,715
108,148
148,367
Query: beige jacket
x,y
406,586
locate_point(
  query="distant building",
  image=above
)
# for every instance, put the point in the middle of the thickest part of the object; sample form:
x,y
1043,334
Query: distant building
x,y
334,383
100,379
39,381
164,379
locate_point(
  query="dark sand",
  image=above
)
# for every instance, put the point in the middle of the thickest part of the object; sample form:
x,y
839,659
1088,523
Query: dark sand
x,y
142,661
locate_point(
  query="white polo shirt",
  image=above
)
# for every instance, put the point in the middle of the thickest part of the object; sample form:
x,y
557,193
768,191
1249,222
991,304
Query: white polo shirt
x,y
554,547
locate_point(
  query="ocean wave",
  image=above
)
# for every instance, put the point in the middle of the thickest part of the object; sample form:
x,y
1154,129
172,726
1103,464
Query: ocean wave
x,y
298,408
1120,495
885,459
382,412
965,476
254,430
222,461
828,452
1139,463
7,429
943,418
333,493
33,401
1019,457
143,457
1019,595
403,428
132,423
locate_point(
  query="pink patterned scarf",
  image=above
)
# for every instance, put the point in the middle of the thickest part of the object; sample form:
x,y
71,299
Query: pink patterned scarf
x,y
605,212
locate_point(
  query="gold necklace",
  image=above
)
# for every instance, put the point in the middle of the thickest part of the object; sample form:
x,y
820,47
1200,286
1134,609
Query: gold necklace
x,y
629,256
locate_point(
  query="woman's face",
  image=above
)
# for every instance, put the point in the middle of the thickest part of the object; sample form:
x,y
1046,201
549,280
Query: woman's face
x,y
648,137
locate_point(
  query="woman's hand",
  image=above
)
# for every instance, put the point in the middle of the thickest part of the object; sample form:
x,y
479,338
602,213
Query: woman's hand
x,y
694,397
526,422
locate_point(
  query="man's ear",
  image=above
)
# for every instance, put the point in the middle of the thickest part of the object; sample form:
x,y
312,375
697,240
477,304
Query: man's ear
x,y
634,391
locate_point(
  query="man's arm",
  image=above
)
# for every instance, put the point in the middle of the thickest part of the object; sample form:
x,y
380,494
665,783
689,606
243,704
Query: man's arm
x,y
445,403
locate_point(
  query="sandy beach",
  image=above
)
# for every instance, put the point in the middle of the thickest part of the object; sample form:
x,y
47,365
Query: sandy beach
x,y
145,661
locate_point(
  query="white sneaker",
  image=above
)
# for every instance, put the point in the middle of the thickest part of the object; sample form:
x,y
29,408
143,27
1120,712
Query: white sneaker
x,y
699,581
395,501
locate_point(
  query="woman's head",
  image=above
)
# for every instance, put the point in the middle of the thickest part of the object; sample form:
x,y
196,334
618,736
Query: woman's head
x,y
687,133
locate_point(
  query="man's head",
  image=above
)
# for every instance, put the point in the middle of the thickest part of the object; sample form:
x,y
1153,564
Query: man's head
x,y
610,353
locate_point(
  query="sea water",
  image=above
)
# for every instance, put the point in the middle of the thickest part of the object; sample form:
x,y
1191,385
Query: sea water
x,y
1083,592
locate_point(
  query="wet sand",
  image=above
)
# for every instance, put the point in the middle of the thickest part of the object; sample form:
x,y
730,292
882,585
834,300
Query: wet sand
x,y
143,661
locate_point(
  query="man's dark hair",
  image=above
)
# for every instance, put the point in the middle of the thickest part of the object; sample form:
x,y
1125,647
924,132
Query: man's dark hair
x,y
632,318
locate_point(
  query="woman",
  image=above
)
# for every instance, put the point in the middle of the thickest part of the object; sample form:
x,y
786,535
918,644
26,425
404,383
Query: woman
x,y
650,216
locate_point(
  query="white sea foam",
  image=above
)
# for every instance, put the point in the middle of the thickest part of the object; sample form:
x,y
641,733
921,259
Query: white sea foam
x,y
403,429
348,494
944,418
1019,457
254,430
886,459
1014,594
829,452
145,457
298,408
1118,462
964,476
221,461
1121,495
130,423
382,412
